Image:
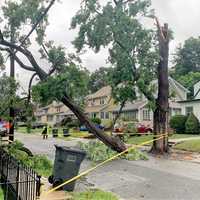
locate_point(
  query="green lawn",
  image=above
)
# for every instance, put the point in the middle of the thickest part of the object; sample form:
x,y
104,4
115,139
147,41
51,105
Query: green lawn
x,y
1,194
94,195
82,134
178,136
141,139
33,131
190,145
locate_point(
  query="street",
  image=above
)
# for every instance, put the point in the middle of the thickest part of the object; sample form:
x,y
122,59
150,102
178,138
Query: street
x,y
155,179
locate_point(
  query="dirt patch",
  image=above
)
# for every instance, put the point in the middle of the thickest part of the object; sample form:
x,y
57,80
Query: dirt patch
x,y
56,195
184,155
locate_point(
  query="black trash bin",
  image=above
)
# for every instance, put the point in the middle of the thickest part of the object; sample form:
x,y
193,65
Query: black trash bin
x,y
55,132
66,132
66,166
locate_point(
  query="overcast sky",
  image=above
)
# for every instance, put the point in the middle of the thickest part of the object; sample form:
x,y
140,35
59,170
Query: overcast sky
x,y
181,15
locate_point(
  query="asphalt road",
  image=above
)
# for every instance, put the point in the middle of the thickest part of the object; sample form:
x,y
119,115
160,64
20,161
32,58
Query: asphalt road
x,y
155,179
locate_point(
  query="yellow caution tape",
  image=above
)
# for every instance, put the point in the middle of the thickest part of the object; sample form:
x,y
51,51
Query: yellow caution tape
x,y
102,163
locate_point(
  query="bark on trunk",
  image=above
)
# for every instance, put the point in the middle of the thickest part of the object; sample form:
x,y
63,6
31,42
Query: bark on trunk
x,y
115,143
162,103
118,114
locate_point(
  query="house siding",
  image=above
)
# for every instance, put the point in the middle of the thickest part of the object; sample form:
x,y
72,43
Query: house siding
x,y
195,105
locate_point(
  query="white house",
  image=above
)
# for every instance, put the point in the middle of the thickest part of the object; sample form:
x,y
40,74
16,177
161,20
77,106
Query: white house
x,y
193,105
101,104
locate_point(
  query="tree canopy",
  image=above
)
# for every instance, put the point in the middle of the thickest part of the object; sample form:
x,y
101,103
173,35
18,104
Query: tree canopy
x,y
99,78
186,68
53,81
187,57
132,51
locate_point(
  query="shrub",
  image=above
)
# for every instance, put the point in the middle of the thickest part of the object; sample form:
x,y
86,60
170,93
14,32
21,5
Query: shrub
x,y
68,122
39,163
177,123
65,121
96,120
192,125
75,123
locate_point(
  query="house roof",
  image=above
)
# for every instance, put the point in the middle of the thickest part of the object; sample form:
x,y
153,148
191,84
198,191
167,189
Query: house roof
x,y
104,91
131,106
69,112
178,84
189,100
174,82
95,109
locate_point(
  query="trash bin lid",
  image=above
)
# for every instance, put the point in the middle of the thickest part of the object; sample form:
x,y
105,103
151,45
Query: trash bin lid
x,y
69,149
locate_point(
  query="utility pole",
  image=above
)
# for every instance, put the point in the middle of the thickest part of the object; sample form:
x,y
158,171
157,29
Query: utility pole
x,y
12,75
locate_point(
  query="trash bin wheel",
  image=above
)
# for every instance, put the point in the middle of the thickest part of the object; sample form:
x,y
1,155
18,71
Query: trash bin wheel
x,y
57,182
50,179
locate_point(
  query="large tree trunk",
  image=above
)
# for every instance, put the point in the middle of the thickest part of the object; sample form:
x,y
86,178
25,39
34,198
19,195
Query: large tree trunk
x,y
115,143
118,115
162,103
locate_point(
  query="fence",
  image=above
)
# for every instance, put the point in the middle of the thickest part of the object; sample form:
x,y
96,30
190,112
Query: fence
x,y
18,181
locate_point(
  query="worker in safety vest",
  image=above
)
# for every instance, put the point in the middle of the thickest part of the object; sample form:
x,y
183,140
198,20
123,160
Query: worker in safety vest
x,y
45,132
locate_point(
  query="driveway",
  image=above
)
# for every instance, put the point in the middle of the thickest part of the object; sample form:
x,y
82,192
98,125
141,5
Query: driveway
x,y
155,179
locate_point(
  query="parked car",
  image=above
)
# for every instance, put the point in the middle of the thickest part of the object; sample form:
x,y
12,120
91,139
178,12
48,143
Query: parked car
x,y
133,128
142,129
84,128
3,128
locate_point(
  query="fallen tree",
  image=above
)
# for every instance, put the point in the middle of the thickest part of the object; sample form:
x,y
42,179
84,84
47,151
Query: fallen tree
x,y
110,141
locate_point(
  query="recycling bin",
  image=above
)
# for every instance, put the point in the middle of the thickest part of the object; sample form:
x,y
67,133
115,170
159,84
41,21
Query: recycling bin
x,y
66,166
55,132
66,132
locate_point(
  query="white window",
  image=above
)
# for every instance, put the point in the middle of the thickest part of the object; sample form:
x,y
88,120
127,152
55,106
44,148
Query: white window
x,y
58,109
130,115
146,115
177,111
102,115
107,115
102,101
58,118
188,110
50,118
46,110
94,115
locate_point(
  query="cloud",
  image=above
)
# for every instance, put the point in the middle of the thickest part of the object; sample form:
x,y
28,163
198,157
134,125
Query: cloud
x,y
182,17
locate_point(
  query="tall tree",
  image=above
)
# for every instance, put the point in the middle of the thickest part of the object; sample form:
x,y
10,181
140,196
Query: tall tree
x,y
162,103
28,12
15,16
188,81
187,58
99,79
132,50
